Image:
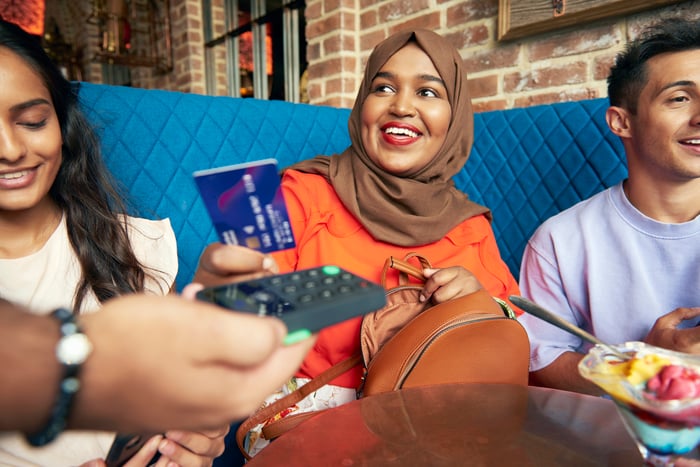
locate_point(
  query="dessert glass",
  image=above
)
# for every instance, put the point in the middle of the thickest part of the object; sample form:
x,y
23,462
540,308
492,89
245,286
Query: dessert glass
x,y
662,429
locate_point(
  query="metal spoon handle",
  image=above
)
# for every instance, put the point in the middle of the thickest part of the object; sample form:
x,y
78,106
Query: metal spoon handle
x,y
536,310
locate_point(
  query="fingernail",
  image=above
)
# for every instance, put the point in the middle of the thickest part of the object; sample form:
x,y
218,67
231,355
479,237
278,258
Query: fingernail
x,y
269,264
165,447
155,442
421,298
190,290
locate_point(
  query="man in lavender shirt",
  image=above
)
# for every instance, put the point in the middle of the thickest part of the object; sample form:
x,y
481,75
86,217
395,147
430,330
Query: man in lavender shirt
x,y
625,264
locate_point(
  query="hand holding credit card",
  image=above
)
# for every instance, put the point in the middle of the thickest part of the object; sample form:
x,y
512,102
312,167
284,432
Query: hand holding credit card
x,y
246,205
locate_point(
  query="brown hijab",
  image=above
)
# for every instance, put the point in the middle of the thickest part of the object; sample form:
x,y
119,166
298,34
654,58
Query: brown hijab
x,y
420,208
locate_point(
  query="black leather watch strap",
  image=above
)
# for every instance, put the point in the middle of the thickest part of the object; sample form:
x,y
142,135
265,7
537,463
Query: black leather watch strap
x,y
71,351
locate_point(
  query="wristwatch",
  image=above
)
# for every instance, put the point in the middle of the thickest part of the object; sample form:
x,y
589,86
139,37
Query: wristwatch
x,y
72,350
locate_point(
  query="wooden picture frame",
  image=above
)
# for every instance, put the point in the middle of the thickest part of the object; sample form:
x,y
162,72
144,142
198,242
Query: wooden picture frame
x,y
520,18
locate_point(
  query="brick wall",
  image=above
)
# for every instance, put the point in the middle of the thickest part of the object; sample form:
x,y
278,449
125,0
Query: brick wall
x,y
187,50
570,64
80,29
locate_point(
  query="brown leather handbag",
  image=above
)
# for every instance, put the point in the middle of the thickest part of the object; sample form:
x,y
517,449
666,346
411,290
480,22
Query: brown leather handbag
x,y
411,343
466,340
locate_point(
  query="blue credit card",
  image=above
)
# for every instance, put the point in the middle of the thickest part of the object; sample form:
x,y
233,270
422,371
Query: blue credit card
x,y
246,205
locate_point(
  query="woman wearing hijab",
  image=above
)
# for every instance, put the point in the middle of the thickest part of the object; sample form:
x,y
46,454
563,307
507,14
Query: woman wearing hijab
x,y
391,193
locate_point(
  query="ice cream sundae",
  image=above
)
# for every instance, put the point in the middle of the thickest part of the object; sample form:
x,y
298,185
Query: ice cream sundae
x,y
674,382
657,392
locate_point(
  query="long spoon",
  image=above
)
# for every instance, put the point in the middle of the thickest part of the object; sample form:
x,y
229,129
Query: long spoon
x,y
536,310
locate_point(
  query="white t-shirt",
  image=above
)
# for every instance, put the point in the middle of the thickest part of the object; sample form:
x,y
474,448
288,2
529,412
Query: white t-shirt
x,y
46,280
609,269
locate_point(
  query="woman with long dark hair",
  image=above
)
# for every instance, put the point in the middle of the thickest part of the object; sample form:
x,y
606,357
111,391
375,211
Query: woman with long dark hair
x,y
65,238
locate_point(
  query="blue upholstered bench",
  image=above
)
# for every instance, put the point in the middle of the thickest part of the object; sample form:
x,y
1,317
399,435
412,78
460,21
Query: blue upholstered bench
x,y
526,164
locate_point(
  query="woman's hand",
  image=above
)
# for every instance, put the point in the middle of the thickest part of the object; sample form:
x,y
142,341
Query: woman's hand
x,y
191,449
184,448
221,263
140,459
448,283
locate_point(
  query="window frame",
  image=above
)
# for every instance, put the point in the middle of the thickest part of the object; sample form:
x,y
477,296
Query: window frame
x,y
259,18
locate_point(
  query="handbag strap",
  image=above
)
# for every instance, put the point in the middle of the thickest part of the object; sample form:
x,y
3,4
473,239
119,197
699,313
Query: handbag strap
x,y
405,268
292,398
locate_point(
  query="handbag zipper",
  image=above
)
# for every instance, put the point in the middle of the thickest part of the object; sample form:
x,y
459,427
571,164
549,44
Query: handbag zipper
x,y
431,339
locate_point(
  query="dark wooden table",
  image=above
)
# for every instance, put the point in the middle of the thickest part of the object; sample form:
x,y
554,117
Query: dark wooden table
x,y
468,424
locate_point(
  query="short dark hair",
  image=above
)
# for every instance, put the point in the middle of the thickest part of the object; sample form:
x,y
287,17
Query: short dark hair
x,y
629,74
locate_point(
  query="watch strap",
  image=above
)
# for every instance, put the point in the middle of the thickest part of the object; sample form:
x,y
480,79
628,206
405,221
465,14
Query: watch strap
x,y
69,384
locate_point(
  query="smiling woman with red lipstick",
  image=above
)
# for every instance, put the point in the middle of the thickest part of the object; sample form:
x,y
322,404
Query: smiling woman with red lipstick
x,y
65,243
391,193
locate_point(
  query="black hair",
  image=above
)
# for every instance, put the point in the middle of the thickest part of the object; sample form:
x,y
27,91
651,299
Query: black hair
x,y
629,74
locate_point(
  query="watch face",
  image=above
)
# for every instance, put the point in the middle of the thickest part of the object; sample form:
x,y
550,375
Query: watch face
x,y
73,349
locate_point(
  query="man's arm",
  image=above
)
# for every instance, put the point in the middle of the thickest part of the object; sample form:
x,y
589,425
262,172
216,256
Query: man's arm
x,y
158,363
30,370
563,373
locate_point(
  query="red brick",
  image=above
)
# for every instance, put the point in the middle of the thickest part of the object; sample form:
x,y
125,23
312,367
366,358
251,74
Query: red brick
x,y
487,106
335,102
332,66
313,52
571,73
340,85
427,21
324,26
493,59
313,90
332,45
471,11
574,43
393,11
364,4
602,65
329,6
347,22
369,19
313,11
369,40
483,86
339,44
552,97
469,37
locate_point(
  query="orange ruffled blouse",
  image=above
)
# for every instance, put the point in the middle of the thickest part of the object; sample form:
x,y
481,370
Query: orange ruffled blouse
x,y
326,233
